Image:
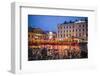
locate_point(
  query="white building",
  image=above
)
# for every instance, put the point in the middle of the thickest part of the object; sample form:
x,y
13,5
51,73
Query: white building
x,y
77,29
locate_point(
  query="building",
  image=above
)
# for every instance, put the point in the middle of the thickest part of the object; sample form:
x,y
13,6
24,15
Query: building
x,y
37,33
77,29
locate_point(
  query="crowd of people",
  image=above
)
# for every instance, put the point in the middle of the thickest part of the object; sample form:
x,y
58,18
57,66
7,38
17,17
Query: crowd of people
x,y
51,54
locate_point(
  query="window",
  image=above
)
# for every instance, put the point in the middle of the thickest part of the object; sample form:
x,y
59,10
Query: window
x,y
79,34
69,35
79,30
79,25
60,27
64,27
73,30
87,29
86,34
61,35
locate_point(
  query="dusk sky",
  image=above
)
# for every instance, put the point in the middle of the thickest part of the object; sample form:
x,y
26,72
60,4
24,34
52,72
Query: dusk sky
x,y
49,23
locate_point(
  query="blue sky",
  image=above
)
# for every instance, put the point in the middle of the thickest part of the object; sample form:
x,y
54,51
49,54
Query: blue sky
x,y
49,23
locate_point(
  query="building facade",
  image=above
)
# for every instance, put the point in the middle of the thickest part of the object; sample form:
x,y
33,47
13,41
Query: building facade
x,y
37,33
77,29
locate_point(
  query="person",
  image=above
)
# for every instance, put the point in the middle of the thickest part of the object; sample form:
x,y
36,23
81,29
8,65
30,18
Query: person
x,y
30,54
84,54
44,53
65,56
49,54
38,53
